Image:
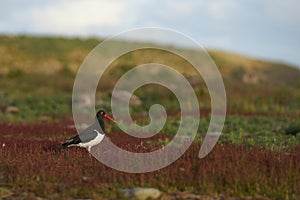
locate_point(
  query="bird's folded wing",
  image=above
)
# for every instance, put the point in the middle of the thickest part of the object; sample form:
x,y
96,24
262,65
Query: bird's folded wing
x,y
90,133
87,136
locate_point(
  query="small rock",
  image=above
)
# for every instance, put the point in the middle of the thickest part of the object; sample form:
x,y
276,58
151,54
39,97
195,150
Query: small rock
x,y
45,118
195,80
4,192
12,109
83,100
122,95
141,193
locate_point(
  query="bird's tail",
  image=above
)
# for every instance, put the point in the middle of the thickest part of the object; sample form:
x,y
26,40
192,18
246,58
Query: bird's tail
x,y
73,141
65,145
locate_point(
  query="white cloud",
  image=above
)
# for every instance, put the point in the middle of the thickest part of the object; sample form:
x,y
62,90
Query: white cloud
x,y
221,9
262,26
75,16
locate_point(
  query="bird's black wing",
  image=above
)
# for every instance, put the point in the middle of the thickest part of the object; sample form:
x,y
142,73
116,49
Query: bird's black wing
x,y
74,140
85,136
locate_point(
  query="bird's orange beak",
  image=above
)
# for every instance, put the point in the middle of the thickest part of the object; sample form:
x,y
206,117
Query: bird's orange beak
x,y
109,118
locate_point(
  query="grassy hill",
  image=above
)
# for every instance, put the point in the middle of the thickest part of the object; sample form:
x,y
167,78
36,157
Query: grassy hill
x,y
42,69
52,54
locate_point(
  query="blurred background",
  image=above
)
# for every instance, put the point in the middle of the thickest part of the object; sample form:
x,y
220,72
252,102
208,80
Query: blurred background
x,y
255,45
260,28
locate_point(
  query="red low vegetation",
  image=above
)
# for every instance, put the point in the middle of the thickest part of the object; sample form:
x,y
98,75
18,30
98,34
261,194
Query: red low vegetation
x,y
31,160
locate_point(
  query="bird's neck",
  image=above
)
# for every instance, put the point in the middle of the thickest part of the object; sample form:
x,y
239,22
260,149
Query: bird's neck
x,y
101,123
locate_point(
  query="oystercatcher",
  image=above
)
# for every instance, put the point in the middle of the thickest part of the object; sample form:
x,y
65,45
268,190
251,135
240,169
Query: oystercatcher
x,y
92,135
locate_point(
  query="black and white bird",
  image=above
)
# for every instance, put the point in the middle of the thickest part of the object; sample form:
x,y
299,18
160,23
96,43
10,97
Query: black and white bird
x,y
92,135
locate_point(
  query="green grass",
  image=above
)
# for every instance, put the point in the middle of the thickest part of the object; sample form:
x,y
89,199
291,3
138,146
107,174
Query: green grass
x,y
269,132
275,133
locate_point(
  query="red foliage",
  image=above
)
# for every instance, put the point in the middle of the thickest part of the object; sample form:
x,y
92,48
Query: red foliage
x,y
31,159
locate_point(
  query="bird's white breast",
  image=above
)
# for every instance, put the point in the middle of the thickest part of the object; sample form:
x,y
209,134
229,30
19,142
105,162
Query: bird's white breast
x,y
93,142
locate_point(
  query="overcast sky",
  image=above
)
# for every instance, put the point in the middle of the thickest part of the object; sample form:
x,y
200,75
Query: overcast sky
x,y
262,28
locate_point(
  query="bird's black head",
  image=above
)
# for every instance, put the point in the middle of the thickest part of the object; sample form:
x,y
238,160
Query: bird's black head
x,y
101,115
